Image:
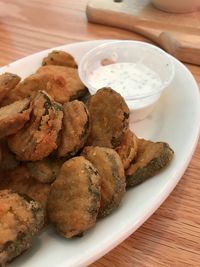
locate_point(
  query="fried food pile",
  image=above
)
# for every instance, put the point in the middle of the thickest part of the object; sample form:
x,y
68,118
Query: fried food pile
x,y
64,160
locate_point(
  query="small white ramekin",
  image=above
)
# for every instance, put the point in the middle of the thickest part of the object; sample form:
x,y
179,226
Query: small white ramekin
x,y
136,52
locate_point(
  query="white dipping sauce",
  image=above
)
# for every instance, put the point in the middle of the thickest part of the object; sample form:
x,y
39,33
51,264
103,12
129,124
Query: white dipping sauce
x,y
128,79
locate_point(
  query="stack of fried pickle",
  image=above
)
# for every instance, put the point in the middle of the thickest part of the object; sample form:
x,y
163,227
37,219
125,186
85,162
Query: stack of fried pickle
x,y
64,160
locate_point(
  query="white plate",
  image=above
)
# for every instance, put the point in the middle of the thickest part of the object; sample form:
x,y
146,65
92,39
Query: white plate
x,y
175,120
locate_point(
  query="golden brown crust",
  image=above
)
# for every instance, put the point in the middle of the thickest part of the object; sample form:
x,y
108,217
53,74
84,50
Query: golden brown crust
x,y
64,82
74,198
20,218
109,118
38,138
128,148
26,88
46,170
8,82
151,158
110,168
75,128
60,58
20,181
61,83
14,116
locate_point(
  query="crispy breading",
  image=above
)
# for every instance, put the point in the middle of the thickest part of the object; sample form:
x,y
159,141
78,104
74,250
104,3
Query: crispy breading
x,y
8,82
60,58
75,129
46,170
109,118
20,180
21,218
26,88
14,116
74,199
39,137
151,158
111,171
61,83
128,148
66,84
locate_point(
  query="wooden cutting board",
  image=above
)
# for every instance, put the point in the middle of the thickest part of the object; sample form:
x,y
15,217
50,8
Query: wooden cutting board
x,y
178,34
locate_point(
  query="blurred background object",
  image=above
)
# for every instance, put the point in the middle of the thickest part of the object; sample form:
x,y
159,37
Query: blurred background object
x,y
178,34
177,6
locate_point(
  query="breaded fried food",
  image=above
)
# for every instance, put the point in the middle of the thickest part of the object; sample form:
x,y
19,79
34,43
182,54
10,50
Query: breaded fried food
x,y
109,118
14,116
46,170
61,83
151,158
39,192
74,199
75,129
8,82
26,88
8,160
59,58
21,218
128,148
65,84
38,138
111,171
20,181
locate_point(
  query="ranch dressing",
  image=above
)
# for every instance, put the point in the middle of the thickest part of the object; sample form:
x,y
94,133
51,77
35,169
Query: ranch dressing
x,y
131,80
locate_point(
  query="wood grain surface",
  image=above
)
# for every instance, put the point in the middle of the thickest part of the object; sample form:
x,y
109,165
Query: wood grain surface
x,y
171,237
178,34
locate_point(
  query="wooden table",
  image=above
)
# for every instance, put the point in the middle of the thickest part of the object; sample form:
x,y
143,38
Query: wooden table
x,y
171,237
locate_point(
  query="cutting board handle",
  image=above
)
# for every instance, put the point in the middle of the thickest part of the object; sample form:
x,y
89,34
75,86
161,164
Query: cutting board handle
x,y
182,46
182,43
185,47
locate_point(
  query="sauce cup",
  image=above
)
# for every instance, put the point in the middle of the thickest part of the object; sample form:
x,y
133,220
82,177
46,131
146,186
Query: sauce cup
x,y
140,102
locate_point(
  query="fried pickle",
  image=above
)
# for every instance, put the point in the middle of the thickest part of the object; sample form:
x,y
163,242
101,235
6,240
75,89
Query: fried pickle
x,y
46,170
66,84
75,129
21,218
61,83
14,116
59,58
38,138
8,82
128,148
26,88
20,181
74,199
110,168
151,158
109,118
